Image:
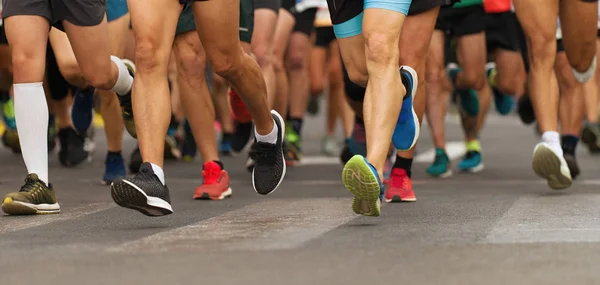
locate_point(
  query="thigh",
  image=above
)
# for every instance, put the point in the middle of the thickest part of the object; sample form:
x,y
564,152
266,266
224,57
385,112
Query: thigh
x,y
537,22
63,52
91,45
471,53
118,30
285,24
415,38
28,37
435,55
217,23
509,63
318,61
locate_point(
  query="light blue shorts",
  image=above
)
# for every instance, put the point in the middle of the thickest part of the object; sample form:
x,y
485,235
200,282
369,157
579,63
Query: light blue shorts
x,y
116,9
353,26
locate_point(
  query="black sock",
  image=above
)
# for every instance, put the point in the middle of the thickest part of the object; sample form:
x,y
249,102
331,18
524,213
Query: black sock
x,y
404,163
296,124
569,144
226,137
219,163
114,153
4,96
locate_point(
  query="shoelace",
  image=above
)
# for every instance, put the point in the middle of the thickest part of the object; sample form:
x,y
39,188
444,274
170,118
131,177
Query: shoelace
x,y
263,153
28,186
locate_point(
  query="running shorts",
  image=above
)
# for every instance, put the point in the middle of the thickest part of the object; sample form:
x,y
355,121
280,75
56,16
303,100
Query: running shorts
x,y
267,4
3,40
186,20
116,9
501,32
305,21
461,21
77,12
289,5
324,36
420,6
347,15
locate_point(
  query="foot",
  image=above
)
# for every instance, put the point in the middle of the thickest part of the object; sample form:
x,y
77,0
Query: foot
x,y
591,137
291,153
472,162
269,168
572,164
346,154
548,164
125,102
82,110
114,168
329,146
216,183
407,127
504,103
35,197
313,105
441,166
188,148
225,146
135,161
143,192
241,136
399,187
525,110
72,148
362,180
469,102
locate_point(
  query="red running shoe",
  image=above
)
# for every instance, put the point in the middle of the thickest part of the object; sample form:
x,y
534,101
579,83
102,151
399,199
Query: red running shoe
x,y
216,183
399,187
238,109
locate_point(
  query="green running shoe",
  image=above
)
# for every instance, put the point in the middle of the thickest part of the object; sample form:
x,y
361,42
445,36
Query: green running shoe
x,y
441,166
125,102
33,198
362,180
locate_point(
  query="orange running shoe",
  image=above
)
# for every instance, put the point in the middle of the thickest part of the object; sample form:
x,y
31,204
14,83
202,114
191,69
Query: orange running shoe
x,y
216,183
238,109
399,187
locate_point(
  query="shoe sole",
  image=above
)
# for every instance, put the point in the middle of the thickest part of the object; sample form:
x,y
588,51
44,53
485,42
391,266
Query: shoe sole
x,y
360,181
475,169
591,140
547,165
444,175
413,94
282,131
205,196
11,207
128,195
398,199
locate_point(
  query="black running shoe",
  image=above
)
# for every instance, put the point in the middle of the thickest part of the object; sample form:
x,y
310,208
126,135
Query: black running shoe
x,y
51,133
269,167
241,136
72,148
572,164
143,192
525,110
126,106
135,161
591,137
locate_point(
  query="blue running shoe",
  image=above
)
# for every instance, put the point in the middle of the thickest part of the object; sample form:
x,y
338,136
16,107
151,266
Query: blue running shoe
x,y
114,168
82,112
504,103
472,162
469,102
362,180
407,128
441,165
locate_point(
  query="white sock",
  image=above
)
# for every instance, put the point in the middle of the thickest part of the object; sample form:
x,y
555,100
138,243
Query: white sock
x,y
31,115
583,77
125,80
158,172
553,140
269,138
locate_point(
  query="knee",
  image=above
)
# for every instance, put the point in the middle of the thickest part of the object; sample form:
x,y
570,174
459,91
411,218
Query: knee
x,y
473,79
509,84
542,50
381,49
191,64
316,87
278,64
434,76
227,66
263,57
100,79
296,61
146,59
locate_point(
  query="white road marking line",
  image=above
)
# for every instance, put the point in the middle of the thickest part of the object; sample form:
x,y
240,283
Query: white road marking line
x,y
535,219
455,149
17,223
268,225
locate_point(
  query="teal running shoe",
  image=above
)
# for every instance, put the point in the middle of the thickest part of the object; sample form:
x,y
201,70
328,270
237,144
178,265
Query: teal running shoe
x,y
441,166
503,103
469,102
8,113
472,162
362,180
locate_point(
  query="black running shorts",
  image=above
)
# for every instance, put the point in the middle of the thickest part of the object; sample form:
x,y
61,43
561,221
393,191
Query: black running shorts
x,y
420,6
267,4
501,32
289,5
461,21
305,21
324,36
76,12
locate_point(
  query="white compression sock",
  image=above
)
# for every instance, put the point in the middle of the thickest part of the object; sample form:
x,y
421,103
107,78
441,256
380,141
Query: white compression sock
x,y
269,138
158,172
553,140
583,77
125,80
31,114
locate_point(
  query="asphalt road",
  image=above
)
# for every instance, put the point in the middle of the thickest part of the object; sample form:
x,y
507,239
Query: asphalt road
x,y
500,226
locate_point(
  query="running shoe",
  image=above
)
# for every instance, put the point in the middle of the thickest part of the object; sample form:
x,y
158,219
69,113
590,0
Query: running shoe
x,y
72,148
468,99
591,137
329,146
216,183
10,139
35,197
225,145
346,154
399,187
549,165
503,102
238,109
472,162
572,164
292,153
8,113
135,161
407,127
114,167
188,148
362,180
126,106
82,110
143,192
52,133
441,166
313,105
525,110
269,165
241,136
